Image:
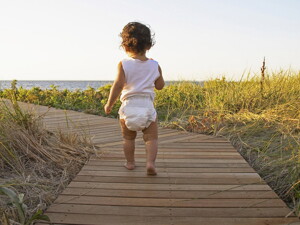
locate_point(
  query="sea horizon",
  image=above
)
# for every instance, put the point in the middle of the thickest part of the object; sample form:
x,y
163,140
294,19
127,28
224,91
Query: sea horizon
x,y
65,84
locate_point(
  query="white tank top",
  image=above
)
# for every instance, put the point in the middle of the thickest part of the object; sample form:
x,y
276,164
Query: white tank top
x,y
139,77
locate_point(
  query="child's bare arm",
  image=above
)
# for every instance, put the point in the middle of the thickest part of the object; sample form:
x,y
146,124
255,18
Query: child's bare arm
x,y
115,89
159,83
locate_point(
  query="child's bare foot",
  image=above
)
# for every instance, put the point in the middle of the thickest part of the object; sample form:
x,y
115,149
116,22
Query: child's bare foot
x,y
129,165
151,169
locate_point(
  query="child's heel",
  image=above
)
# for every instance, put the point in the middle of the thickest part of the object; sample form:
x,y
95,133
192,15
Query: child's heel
x,y
151,171
129,165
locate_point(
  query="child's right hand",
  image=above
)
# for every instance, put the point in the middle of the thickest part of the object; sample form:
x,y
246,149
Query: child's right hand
x,y
107,109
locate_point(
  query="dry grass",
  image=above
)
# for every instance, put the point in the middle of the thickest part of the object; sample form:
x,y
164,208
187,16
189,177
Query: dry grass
x,y
36,162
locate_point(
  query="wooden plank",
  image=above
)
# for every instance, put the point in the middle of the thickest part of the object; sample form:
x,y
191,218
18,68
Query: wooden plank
x,y
159,202
108,154
110,137
113,139
194,146
69,218
103,143
191,145
172,194
167,149
162,180
83,124
211,169
162,174
168,164
206,160
174,139
100,129
185,153
162,211
171,187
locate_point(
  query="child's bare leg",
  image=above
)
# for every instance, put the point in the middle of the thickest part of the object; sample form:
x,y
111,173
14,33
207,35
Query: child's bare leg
x,y
151,149
151,142
129,147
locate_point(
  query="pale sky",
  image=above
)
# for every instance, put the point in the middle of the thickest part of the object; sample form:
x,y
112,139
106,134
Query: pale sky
x,y
195,39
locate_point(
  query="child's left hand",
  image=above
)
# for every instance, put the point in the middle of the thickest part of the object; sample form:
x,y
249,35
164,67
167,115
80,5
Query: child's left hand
x,y
107,109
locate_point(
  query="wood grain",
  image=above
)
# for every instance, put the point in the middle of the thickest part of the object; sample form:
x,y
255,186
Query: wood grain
x,y
201,180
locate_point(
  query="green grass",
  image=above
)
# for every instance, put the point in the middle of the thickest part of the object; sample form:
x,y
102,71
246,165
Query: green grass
x,y
261,120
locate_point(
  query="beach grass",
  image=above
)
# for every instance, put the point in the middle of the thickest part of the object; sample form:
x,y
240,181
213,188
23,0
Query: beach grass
x,y
261,118
36,164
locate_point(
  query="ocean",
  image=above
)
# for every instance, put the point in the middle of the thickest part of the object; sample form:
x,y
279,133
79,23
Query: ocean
x,y
61,84
64,84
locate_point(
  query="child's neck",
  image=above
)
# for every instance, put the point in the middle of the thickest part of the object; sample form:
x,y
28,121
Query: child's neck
x,y
141,57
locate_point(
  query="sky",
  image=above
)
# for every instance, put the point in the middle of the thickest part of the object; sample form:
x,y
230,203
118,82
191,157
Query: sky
x,y
195,39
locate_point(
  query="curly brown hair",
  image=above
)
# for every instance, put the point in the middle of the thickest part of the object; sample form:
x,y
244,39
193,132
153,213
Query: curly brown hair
x,y
136,38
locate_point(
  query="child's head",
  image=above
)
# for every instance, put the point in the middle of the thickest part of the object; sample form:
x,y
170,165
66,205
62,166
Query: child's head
x,y
136,38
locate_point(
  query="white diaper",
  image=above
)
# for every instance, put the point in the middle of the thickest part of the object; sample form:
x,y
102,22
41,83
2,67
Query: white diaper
x,y
138,112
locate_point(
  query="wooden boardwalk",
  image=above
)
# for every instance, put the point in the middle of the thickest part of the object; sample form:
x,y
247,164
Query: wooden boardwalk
x,y
202,180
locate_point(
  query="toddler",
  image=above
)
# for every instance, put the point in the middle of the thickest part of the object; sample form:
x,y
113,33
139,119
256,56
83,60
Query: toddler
x,y
136,78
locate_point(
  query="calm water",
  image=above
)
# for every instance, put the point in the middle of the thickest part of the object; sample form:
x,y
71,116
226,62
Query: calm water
x,y
61,84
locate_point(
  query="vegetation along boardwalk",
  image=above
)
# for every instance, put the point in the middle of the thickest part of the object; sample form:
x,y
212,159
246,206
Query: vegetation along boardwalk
x,y
201,180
